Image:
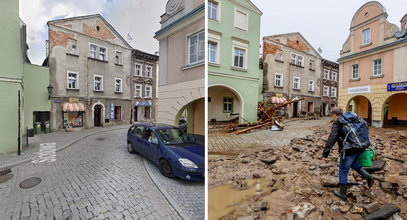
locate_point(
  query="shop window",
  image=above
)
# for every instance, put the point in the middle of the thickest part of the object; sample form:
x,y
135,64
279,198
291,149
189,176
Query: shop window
x,y
118,113
147,112
73,119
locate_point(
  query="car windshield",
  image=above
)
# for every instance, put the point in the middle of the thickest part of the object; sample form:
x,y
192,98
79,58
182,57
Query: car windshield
x,y
174,136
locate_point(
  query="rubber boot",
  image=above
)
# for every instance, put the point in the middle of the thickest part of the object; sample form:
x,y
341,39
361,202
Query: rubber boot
x,y
367,177
341,193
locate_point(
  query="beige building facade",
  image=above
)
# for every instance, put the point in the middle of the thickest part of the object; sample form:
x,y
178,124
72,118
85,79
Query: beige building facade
x,y
181,83
373,68
90,72
292,69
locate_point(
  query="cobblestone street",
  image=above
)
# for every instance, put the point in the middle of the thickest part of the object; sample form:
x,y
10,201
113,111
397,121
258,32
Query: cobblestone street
x,y
221,142
96,178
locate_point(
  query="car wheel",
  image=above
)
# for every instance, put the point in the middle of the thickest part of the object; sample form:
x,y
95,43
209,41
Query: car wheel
x,y
166,169
130,148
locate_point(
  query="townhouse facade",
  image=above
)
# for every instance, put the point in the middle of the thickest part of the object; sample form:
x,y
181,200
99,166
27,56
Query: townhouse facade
x,y
329,89
292,69
90,72
181,86
143,82
373,67
234,76
23,86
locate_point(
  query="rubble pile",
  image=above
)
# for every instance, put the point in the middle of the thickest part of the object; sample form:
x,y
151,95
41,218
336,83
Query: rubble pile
x,y
301,184
266,118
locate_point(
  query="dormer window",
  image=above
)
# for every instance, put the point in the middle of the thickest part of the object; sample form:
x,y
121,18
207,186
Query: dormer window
x,y
366,37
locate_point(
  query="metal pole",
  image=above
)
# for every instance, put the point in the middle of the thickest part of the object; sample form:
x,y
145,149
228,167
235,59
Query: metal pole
x,y
19,125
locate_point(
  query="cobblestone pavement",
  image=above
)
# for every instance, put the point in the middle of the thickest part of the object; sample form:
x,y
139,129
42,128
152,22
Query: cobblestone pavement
x,y
95,178
61,139
220,142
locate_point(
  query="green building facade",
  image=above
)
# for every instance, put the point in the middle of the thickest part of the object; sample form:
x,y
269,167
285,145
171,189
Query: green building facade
x,y
18,76
234,76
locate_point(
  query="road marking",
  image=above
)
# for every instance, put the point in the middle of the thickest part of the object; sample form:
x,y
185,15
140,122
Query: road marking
x,y
46,153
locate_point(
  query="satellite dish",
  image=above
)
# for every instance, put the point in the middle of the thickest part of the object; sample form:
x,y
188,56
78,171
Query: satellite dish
x,y
319,50
400,34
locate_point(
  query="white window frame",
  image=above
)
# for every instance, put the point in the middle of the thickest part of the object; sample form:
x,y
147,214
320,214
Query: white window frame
x,y
217,3
366,41
280,57
228,103
311,83
149,73
150,89
296,61
105,53
197,48
93,53
77,80
94,83
333,92
326,74
120,61
141,69
121,85
379,71
216,52
334,76
353,72
72,43
244,57
141,90
299,83
312,64
326,91
235,20
281,80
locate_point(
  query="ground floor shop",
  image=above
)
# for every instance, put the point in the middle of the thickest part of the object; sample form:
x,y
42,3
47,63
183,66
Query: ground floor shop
x,y
143,111
309,106
80,113
183,101
327,104
377,104
232,99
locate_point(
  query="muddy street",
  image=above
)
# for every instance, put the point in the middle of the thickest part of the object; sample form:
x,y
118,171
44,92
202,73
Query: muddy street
x,y
281,175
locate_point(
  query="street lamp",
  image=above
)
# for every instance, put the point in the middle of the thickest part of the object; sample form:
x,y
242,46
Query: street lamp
x,y
49,88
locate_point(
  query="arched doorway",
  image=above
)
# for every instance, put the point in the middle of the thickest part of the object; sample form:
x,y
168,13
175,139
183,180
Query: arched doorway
x,y
98,114
224,104
191,119
395,110
362,107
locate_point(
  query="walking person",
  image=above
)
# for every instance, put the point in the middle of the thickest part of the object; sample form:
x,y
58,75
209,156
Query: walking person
x,y
351,134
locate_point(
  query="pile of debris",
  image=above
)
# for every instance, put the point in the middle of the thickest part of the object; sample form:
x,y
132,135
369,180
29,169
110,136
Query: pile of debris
x,y
266,117
302,185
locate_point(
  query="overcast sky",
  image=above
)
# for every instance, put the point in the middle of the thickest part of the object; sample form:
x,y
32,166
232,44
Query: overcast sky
x,y
139,18
324,23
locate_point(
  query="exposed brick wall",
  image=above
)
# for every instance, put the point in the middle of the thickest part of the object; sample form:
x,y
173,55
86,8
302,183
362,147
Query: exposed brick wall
x,y
58,38
270,48
104,32
301,45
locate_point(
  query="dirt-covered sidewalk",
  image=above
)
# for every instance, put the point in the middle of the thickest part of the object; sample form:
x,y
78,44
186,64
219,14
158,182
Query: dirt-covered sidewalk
x,y
299,184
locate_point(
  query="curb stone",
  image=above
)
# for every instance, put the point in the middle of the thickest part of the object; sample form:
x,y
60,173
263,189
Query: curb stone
x,y
11,165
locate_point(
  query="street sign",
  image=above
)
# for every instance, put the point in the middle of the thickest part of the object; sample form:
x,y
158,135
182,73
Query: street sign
x,y
358,90
146,103
400,86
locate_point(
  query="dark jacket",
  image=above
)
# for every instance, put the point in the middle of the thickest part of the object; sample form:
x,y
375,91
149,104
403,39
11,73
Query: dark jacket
x,y
337,135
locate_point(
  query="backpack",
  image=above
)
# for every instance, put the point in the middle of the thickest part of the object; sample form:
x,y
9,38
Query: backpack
x,y
355,130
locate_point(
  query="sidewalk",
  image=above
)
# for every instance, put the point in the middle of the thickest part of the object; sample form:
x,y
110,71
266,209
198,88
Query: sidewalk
x,y
62,139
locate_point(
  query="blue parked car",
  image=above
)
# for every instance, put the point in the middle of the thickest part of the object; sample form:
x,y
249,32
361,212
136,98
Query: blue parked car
x,y
176,153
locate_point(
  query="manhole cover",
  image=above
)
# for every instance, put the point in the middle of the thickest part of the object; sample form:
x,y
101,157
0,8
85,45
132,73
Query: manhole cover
x,y
6,177
30,182
100,139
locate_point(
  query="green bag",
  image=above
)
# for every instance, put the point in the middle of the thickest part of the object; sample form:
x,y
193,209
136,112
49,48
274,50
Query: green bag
x,y
366,159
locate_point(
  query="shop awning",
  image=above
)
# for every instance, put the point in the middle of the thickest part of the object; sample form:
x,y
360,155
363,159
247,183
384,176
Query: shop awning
x,y
277,100
73,107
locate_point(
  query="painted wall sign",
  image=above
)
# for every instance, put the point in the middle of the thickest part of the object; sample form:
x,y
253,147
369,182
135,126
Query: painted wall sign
x,y
147,103
400,86
358,90
111,112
